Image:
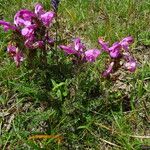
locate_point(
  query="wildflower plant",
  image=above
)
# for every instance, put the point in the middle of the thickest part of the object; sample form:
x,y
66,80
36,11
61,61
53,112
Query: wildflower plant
x,y
62,79
30,34
31,41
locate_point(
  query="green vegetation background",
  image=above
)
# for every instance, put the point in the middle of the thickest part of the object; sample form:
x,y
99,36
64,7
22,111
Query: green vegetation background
x,y
87,111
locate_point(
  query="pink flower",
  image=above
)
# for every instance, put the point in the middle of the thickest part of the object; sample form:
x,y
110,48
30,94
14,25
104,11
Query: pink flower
x,y
108,70
7,26
11,49
15,54
47,18
114,51
91,55
68,49
23,17
76,48
126,42
78,45
21,22
39,10
28,31
131,65
104,45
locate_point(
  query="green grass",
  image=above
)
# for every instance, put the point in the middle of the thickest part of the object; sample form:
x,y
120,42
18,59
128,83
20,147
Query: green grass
x,y
87,111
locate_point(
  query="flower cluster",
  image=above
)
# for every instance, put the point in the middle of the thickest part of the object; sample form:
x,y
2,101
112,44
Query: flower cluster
x,y
32,28
117,52
78,49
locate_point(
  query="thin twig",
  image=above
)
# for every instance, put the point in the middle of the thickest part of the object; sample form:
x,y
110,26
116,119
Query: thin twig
x,y
105,141
134,136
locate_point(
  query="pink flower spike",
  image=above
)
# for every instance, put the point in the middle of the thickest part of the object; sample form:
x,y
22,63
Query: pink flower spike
x,y
131,65
7,26
68,49
103,44
108,70
114,51
91,55
47,18
39,10
126,42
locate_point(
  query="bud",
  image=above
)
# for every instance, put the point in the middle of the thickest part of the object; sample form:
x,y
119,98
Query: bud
x,y
55,4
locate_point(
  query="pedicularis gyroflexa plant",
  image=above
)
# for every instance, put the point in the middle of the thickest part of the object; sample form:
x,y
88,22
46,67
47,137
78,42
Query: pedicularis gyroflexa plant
x,y
31,36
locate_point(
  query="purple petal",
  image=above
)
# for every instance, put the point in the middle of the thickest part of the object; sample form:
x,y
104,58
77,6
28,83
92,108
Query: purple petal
x,y
78,45
23,17
68,49
108,70
131,65
114,51
76,48
128,39
47,18
92,54
28,31
39,10
77,42
7,26
126,42
104,45
11,50
21,22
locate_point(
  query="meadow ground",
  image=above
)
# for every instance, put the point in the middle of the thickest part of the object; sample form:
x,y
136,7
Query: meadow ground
x,y
86,110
